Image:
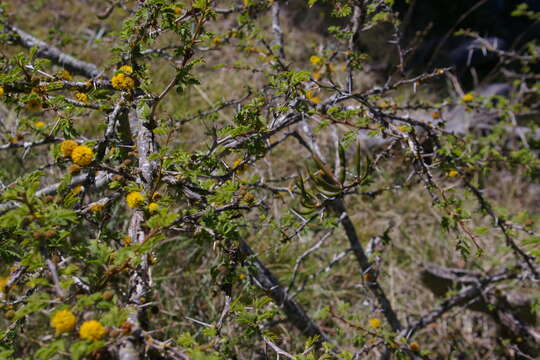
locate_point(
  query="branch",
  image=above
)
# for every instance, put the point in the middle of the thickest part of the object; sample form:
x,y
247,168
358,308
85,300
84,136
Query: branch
x,y
365,265
54,54
465,294
296,315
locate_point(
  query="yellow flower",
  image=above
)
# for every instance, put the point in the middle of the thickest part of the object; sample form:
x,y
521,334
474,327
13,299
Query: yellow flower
x,y
82,155
122,82
316,75
33,105
63,321
453,173
3,283
126,69
315,60
403,128
414,346
240,169
467,97
77,189
436,115
374,323
177,11
96,207
82,97
67,146
92,330
153,207
315,99
39,124
134,199
64,74
127,240
1,91
217,40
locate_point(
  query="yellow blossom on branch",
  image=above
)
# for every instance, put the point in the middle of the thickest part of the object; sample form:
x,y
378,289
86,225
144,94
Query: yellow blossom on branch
x,y
374,323
39,124
96,207
126,69
122,82
33,105
134,199
92,330
153,207
63,321
453,173
82,97
3,283
65,75
315,60
67,146
1,91
82,155
467,97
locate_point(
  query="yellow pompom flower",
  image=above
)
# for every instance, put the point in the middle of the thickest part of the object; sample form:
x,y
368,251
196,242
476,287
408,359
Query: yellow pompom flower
x,y
96,207
414,346
64,74
126,240
3,283
310,94
1,91
126,69
39,124
122,82
374,323
467,97
82,155
92,330
67,146
63,321
436,115
315,60
82,97
134,199
177,11
153,207
33,105
77,189
453,173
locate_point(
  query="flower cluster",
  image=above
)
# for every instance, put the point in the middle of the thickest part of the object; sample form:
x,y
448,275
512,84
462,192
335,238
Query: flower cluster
x,y
467,98
126,69
122,82
92,330
82,155
134,199
315,60
374,323
3,283
63,321
67,146
96,207
1,91
153,207
33,105
82,97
